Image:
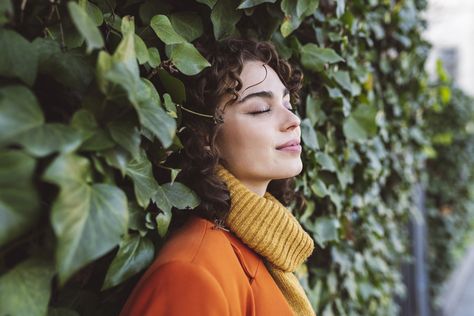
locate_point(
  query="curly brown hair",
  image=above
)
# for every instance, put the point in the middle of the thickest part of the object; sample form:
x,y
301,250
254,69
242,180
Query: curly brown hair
x,y
203,93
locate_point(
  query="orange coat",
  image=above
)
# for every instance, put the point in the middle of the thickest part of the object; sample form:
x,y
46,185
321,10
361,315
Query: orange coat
x,y
204,270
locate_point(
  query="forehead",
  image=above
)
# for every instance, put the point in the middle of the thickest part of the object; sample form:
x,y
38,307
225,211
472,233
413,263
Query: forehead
x,y
257,77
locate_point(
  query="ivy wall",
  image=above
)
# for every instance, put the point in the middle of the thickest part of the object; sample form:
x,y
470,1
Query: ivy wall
x,y
88,122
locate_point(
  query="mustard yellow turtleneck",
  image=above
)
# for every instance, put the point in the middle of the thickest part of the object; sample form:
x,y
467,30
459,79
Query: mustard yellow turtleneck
x,y
269,228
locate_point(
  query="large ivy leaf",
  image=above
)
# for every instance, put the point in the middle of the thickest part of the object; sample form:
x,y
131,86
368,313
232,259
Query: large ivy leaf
x,y
94,138
19,202
86,26
162,27
180,196
314,58
187,24
361,124
69,68
135,254
224,17
187,59
308,134
153,117
48,138
19,112
18,59
140,171
25,290
88,220
325,230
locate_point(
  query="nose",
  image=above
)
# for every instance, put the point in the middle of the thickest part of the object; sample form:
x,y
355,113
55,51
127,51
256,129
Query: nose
x,y
291,121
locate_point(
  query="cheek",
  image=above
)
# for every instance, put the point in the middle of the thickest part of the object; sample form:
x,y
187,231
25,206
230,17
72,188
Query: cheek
x,y
243,139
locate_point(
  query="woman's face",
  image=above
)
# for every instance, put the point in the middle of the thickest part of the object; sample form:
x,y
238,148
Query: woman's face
x,y
256,127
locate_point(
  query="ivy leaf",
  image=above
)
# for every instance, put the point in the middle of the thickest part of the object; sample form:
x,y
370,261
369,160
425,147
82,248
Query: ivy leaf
x,y
25,290
325,230
162,27
88,220
153,117
19,202
309,135
187,24
187,59
209,3
154,57
361,125
180,196
94,138
224,17
253,3
19,112
314,58
326,162
173,86
135,254
125,133
18,59
343,79
319,188
48,138
141,50
144,183
86,26
69,68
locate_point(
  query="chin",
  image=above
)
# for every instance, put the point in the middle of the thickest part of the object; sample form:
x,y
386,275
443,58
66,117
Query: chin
x,y
291,170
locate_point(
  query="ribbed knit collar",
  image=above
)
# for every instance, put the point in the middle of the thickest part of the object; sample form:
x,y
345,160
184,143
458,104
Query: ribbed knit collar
x,y
265,225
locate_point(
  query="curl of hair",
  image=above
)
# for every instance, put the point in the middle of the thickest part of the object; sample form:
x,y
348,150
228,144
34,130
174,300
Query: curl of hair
x,y
203,93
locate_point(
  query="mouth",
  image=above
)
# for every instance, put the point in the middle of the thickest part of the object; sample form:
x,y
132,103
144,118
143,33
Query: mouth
x,y
293,145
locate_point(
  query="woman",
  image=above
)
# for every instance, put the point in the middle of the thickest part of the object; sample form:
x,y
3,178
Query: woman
x,y
236,253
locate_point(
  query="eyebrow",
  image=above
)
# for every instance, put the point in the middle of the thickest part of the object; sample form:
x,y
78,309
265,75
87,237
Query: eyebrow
x,y
262,94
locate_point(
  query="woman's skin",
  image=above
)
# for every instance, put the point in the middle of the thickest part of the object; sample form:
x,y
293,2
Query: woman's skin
x,y
248,141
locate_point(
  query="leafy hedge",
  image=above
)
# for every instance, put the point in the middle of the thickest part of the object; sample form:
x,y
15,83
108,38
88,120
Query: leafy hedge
x,y
450,193
88,121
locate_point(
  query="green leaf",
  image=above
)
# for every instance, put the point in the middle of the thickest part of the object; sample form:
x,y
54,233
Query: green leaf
x,y
319,188
19,112
153,117
361,125
94,138
135,254
165,31
309,135
163,220
187,24
325,230
94,13
343,79
25,290
88,220
154,57
6,12
314,58
144,183
86,26
141,50
69,68
253,3
295,12
18,59
209,3
173,86
126,134
187,59
180,196
19,202
224,17
326,162
48,138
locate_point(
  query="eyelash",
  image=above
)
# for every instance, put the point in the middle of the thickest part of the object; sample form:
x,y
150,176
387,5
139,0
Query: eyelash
x,y
268,110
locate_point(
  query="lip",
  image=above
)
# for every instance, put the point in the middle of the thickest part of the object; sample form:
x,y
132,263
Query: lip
x,y
292,145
